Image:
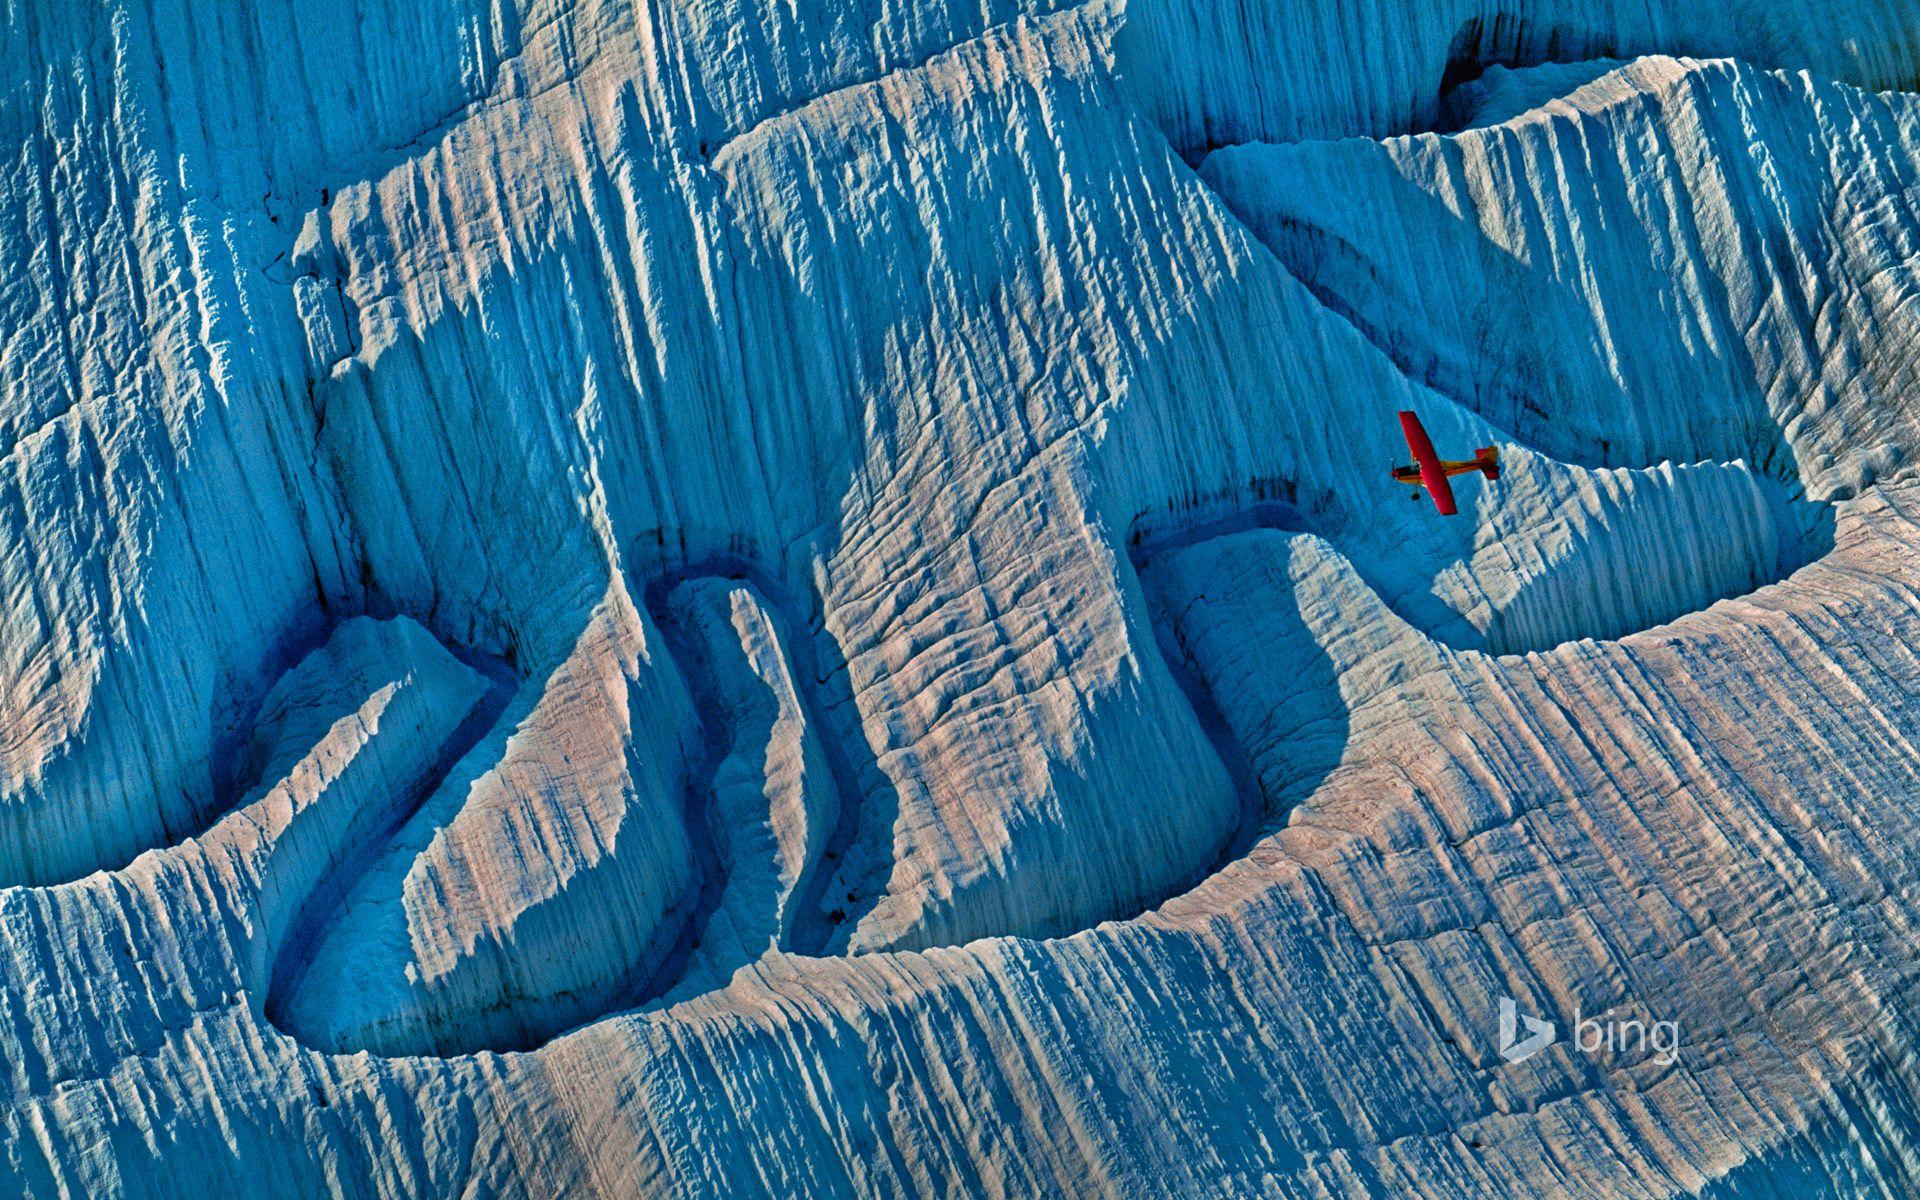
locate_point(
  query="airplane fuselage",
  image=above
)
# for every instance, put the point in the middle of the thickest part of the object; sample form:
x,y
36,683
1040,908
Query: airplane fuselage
x,y
1448,467
1430,471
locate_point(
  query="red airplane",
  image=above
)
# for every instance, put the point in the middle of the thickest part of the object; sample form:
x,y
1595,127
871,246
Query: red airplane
x,y
1429,470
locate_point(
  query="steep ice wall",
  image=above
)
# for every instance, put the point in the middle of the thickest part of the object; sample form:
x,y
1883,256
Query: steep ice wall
x,y
969,704
1572,553
161,558
772,803
167,155
451,940
673,415
1220,72
1672,260
1333,992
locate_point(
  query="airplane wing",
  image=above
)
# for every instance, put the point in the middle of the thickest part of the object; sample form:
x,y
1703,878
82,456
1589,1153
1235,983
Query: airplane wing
x,y
1432,476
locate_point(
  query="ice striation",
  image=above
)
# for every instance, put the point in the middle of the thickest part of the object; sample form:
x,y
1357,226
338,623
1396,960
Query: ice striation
x,y
1323,69
1532,256
697,600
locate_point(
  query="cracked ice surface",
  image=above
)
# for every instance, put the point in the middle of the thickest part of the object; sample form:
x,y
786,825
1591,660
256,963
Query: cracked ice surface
x,y
726,600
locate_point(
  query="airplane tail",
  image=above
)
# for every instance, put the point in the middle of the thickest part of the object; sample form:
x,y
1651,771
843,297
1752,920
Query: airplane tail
x,y
1487,458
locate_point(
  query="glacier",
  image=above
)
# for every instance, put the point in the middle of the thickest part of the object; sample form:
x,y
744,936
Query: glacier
x,y
611,599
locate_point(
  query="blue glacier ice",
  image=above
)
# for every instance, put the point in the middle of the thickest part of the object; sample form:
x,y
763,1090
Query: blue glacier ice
x,y
606,599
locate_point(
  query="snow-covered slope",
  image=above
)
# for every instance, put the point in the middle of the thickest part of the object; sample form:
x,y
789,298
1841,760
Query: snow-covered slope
x,y
1669,260
802,571
1223,72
